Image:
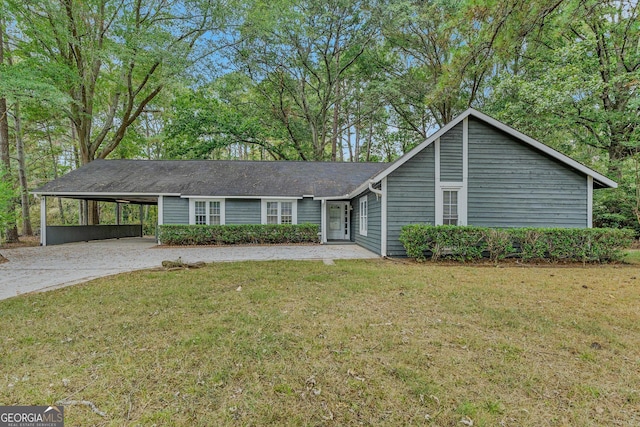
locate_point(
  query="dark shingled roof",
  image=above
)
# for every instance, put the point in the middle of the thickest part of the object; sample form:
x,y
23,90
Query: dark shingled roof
x,y
215,178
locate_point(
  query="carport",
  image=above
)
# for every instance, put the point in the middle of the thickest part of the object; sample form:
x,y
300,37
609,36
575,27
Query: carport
x,y
60,234
99,183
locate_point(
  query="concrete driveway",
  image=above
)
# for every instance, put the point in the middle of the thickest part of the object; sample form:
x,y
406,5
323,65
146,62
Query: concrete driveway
x,y
36,269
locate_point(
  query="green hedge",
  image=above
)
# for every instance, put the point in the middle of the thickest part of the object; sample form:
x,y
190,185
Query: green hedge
x,y
237,234
555,244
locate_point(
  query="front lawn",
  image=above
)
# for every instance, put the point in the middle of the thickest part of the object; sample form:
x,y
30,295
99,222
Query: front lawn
x,y
360,342
632,256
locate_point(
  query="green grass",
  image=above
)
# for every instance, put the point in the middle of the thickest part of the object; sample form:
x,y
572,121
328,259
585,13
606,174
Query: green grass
x,y
632,256
302,343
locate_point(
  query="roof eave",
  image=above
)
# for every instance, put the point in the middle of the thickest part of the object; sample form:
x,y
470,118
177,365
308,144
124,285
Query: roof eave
x,y
362,187
95,193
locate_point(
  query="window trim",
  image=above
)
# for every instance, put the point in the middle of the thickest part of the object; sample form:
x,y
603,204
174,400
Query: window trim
x,y
294,209
461,188
192,209
363,215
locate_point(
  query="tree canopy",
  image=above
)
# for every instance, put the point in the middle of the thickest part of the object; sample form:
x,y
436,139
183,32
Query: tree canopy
x,y
338,80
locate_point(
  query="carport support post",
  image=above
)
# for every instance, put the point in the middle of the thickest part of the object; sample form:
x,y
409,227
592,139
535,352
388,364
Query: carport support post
x,y
43,221
85,212
117,213
141,220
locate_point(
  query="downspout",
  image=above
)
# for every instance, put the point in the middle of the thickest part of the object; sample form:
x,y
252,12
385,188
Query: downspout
x,y
382,194
378,193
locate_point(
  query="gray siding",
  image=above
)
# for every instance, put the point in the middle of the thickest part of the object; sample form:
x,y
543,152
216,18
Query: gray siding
x,y
372,240
238,211
410,197
242,211
309,211
175,210
451,155
512,185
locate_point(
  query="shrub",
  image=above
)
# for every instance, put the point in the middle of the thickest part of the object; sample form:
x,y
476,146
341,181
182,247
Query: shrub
x,y
238,234
555,244
460,243
499,243
417,241
530,242
607,244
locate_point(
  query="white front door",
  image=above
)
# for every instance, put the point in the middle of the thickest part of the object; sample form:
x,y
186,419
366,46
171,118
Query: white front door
x,y
338,221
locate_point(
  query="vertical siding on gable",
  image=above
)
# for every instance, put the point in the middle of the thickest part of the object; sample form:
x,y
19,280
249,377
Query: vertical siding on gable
x,y
309,211
451,155
372,240
410,197
175,210
243,211
512,185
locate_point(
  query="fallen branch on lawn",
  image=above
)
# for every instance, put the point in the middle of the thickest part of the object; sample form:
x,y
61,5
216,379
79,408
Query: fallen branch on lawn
x,y
178,264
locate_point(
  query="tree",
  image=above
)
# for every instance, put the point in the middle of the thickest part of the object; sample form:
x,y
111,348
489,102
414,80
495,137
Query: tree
x,y
113,58
440,59
22,169
579,73
207,121
297,54
8,208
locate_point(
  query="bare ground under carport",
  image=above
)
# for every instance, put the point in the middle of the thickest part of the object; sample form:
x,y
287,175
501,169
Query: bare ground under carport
x,y
36,269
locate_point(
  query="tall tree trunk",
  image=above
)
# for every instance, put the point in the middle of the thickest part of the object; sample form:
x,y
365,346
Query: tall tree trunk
x,y
83,157
27,229
54,162
11,233
369,140
336,116
357,123
617,154
93,213
78,162
636,209
347,127
336,102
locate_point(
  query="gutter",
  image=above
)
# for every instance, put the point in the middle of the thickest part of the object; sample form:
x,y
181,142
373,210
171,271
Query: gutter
x,y
378,193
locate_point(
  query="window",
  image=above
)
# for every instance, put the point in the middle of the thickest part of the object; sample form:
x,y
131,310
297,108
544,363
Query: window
x,y
451,203
364,213
286,213
272,212
201,212
279,211
450,207
207,212
214,213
